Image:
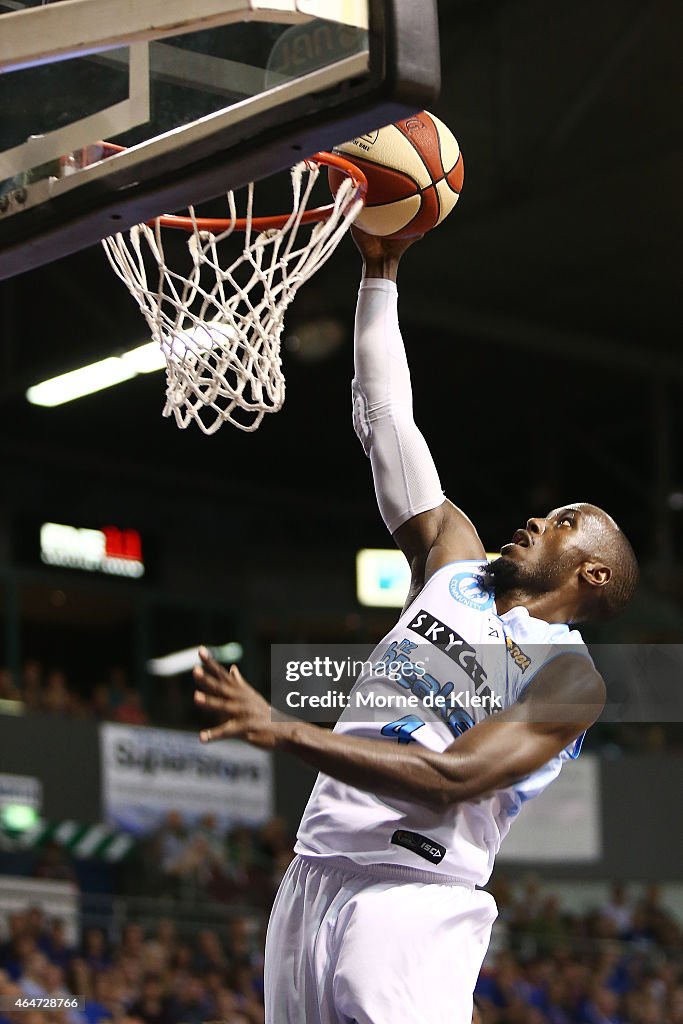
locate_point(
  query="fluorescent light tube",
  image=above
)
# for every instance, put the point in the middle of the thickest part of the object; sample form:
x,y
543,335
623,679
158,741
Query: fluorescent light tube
x,y
183,661
97,376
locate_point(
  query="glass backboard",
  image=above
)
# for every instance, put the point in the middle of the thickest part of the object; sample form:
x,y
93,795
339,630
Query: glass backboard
x,y
203,100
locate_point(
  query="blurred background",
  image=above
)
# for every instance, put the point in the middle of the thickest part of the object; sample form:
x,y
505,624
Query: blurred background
x,y
543,327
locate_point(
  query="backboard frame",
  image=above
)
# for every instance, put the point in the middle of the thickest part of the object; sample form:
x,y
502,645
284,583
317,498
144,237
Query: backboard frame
x,y
225,150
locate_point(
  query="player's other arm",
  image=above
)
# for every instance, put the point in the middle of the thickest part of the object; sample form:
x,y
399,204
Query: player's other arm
x,y
563,700
429,530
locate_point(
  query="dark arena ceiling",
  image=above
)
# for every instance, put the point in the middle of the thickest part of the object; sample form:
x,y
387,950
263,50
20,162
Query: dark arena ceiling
x,y
543,320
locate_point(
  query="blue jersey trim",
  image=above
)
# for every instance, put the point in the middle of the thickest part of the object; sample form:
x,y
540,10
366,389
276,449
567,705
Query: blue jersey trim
x,y
578,744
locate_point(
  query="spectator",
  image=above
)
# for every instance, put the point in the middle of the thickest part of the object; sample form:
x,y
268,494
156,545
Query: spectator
x,y
242,858
275,852
676,1004
17,946
118,686
193,862
32,684
54,863
56,988
98,1004
241,939
602,1009
246,980
56,697
32,980
55,944
130,710
100,703
9,991
229,1009
95,952
8,688
159,950
35,924
548,927
619,911
153,1007
129,960
190,1005
169,850
210,955
275,839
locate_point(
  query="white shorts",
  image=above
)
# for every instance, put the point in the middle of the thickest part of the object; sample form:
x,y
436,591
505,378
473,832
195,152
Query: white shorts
x,y
348,947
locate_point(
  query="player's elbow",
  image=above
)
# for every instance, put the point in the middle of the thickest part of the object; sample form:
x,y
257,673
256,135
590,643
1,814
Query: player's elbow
x,y
451,790
437,793
449,795
451,779
439,799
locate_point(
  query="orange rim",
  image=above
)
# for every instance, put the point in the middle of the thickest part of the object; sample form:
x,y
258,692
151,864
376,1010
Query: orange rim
x,y
219,224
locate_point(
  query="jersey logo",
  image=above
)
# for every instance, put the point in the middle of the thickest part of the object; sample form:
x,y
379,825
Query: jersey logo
x,y
466,589
451,643
426,848
520,659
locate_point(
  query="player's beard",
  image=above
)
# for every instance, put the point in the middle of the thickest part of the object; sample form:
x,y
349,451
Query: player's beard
x,y
506,575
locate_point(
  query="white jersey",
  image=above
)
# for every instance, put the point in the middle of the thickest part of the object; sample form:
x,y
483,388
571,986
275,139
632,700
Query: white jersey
x,y
452,648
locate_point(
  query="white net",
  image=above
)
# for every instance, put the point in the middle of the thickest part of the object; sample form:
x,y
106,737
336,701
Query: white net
x,y
220,327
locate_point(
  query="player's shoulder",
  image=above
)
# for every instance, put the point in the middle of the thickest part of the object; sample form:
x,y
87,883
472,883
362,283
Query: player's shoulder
x,y
533,643
526,627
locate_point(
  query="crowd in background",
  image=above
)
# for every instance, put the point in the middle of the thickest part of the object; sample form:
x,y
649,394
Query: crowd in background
x,y
620,963
205,863
201,864
111,698
144,977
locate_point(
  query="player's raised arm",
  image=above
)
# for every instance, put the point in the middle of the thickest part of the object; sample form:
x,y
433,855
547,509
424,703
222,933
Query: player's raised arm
x,y
430,530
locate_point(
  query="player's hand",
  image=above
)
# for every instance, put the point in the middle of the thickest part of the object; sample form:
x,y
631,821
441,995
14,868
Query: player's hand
x,y
375,248
244,712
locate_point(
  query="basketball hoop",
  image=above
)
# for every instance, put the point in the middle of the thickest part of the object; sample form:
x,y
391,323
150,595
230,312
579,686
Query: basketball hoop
x,y
219,321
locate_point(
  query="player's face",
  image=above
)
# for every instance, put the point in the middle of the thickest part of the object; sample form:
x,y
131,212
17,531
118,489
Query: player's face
x,y
551,546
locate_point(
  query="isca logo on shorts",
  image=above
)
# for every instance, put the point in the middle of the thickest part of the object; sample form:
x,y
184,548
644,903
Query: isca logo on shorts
x,y
423,846
466,588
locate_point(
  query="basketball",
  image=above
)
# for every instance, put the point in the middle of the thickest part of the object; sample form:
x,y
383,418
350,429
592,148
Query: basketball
x,y
415,174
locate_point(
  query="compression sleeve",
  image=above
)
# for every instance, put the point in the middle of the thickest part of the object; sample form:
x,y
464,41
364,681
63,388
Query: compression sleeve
x,y
406,480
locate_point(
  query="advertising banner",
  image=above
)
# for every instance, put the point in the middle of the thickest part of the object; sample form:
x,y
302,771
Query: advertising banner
x,y
148,772
562,825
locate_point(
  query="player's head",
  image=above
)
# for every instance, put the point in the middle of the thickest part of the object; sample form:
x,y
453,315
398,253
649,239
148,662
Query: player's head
x,y
577,550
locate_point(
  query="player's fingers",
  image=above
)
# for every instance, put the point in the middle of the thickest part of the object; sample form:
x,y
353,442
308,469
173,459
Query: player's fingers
x,y
222,705
221,685
214,703
237,676
219,732
210,664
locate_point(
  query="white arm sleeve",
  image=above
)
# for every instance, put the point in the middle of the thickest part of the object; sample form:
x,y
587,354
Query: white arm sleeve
x,y
406,481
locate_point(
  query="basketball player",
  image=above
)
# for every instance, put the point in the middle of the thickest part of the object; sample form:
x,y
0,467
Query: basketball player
x,y
380,918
